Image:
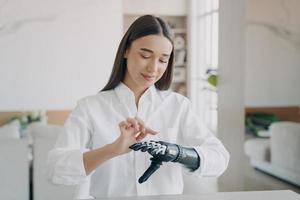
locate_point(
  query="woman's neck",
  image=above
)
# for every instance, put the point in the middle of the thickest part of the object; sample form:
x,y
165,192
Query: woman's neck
x,y
138,91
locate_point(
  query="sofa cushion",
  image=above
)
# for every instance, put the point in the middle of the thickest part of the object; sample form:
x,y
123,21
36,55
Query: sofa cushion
x,y
285,145
258,148
14,169
39,130
11,130
44,139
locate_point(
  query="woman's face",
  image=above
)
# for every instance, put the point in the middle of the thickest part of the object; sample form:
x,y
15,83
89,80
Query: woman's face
x,y
147,60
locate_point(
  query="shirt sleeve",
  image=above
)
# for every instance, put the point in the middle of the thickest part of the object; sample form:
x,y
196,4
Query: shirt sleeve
x,y
214,157
65,160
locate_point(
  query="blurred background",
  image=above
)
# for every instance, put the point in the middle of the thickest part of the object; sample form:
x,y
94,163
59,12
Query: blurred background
x,y
238,61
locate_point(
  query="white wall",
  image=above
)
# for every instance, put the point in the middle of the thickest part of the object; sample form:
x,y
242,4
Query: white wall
x,y
231,90
272,75
156,7
54,52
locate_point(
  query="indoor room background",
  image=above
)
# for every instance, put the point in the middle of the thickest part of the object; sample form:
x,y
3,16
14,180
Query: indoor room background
x,y
233,57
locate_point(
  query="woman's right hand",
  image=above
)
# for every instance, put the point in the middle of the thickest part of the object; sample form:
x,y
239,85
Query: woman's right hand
x,y
132,130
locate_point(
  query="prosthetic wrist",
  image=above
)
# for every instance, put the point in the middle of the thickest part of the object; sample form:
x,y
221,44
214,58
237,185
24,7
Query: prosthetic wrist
x,y
167,152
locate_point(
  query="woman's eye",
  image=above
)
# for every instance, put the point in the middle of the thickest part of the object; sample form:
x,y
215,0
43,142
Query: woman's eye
x,y
163,61
145,56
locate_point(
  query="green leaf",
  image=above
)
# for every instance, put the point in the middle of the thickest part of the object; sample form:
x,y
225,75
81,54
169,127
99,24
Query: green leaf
x,y
213,80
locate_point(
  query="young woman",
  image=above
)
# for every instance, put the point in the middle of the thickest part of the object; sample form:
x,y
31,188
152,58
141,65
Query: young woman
x,y
135,111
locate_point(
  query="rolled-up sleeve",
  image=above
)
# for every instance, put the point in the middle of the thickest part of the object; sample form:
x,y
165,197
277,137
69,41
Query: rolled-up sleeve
x,y
65,160
214,157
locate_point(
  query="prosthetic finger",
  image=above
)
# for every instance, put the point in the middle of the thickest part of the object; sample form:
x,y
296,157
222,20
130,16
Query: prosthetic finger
x,y
146,148
155,165
135,145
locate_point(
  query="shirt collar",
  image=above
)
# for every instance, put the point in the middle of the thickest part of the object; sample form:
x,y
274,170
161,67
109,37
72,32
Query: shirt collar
x,y
123,92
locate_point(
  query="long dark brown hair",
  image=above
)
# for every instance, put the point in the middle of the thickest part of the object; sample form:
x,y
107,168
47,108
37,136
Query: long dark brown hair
x,y
143,26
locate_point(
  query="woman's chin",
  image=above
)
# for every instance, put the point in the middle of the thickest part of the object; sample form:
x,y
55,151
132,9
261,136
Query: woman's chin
x,y
148,83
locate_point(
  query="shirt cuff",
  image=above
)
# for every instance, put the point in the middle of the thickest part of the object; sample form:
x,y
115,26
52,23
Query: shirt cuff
x,y
69,169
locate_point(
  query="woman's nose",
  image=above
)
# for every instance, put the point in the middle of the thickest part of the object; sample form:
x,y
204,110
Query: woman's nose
x,y
152,66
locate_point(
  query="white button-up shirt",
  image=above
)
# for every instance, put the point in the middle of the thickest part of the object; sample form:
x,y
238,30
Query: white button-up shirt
x,y
94,123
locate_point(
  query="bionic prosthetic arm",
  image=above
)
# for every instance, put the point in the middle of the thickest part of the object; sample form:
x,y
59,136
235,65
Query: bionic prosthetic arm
x,y
166,152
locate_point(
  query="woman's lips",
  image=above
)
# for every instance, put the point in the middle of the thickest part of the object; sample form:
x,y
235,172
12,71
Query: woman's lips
x,y
148,77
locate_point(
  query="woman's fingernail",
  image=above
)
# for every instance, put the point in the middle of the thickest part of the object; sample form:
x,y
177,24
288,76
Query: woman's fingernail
x,y
137,134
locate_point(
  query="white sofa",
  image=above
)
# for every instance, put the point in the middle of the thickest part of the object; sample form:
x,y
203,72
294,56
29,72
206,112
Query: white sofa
x,y
14,169
44,138
14,163
279,154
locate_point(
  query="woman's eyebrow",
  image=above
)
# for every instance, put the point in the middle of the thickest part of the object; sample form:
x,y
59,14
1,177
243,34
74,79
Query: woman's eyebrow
x,y
150,51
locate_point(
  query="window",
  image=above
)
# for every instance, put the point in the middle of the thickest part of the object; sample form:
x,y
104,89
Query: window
x,y
207,23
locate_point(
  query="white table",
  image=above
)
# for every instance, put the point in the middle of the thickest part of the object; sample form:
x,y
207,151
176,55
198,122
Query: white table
x,y
251,195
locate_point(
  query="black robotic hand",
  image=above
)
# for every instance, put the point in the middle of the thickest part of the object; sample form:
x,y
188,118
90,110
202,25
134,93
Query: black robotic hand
x,y
166,152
